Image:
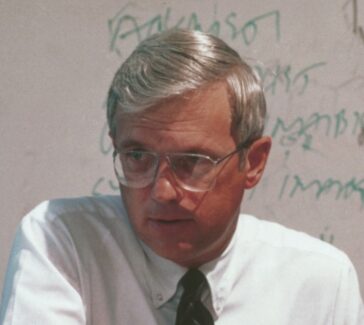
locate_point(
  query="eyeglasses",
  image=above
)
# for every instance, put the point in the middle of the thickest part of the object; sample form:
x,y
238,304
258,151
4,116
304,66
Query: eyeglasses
x,y
193,172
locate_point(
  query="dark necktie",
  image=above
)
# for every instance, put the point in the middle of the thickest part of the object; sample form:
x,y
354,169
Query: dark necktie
x,y
190,310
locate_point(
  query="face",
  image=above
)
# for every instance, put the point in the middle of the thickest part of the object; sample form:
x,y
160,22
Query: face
x,y
189,228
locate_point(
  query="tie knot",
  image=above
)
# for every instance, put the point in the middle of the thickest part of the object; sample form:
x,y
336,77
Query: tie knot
x,y
193,281
191,310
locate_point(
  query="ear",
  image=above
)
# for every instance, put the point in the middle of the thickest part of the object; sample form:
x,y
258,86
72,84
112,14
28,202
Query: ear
x,y
256,160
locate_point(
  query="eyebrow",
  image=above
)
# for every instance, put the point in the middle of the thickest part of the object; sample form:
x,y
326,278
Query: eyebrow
x,y
130,143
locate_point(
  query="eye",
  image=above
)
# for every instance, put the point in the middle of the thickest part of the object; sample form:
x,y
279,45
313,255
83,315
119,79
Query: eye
x,y
191,165
135,155
137,161
186,163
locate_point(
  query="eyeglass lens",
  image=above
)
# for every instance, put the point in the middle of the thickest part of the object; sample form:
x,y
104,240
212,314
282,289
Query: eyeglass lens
x,y
137,169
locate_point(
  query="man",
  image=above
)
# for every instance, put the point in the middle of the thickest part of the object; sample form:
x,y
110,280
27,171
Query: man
x,y
186,118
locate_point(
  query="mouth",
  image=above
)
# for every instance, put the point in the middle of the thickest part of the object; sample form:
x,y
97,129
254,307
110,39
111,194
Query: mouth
x,y
169,221
170,225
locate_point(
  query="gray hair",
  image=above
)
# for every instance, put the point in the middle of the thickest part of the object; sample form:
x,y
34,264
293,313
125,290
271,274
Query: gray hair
x,y
176,61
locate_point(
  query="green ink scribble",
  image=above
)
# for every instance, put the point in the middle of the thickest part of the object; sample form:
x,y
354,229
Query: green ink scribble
x,y
307,144
113,30
232,26
325,237
95,191
112,186
341,123
194,23
338,189
359,122
286,77
125,25
105,143
214,29
357,28
361,137
302,130
283,187
252,25
304,74
102,186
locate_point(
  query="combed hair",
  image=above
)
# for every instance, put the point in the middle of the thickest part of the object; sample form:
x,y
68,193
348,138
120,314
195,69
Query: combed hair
x,y
177,61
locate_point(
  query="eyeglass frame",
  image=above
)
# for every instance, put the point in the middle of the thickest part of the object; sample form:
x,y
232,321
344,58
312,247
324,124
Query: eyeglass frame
x,y
159,156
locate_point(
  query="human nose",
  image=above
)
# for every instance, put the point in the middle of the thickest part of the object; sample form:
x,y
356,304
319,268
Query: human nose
x,y
165,187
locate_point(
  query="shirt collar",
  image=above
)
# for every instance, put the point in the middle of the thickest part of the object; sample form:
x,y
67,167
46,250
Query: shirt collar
x,y
218,278
163,276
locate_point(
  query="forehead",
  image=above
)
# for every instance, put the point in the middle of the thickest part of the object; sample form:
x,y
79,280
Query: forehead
x,y
198,117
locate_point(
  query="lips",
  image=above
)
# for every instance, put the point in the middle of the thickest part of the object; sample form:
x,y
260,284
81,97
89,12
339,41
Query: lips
x,y
170,216
170,225
169,221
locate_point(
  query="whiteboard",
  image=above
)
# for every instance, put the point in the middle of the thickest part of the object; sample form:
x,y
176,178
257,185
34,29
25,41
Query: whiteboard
x,y
58,59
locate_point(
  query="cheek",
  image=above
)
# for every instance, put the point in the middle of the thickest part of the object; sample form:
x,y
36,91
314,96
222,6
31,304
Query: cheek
x,y
134,201
218,212
223,202
230,187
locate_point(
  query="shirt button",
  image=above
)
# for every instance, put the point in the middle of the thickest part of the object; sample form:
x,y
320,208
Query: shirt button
x,y
159,297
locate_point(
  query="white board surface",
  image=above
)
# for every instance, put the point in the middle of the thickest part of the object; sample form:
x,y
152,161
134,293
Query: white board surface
x,y
58,59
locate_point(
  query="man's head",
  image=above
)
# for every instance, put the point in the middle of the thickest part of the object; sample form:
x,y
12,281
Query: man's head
x,y
179,104
177,61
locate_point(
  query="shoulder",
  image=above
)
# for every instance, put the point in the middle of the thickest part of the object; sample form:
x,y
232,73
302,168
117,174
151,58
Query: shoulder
x,y
85,232
311,271
293,256
279,237
74,213
81,224
99,206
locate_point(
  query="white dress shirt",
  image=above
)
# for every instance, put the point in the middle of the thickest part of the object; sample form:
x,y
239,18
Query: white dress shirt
x,y
77,261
